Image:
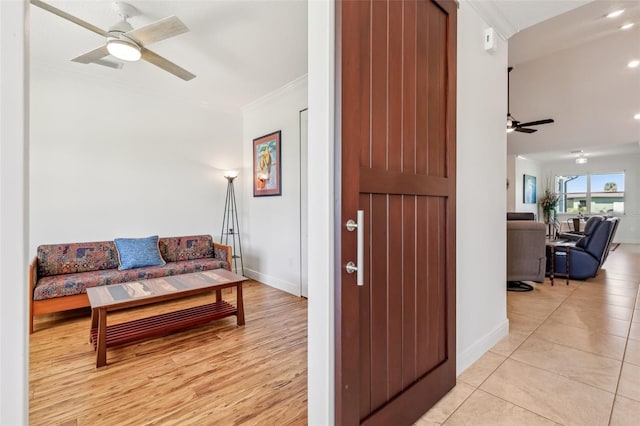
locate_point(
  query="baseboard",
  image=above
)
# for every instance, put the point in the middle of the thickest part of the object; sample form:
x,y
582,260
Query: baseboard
x,y
627,241
481,346
274,282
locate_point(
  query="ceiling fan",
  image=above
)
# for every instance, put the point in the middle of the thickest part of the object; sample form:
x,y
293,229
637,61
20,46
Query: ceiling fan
x,y
514,125
126,43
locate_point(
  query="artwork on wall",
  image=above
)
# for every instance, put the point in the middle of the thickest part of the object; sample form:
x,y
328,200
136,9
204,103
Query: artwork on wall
x,y
529,189
267,169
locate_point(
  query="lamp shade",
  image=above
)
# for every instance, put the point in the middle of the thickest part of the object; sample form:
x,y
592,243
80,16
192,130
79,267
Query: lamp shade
x,y
124,49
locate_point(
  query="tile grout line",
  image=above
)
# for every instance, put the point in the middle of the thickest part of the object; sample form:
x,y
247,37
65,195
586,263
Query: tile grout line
x,y
624,354
551,372
509,357
588,328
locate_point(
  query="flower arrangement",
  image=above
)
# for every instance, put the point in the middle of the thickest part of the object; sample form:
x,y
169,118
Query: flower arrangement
x,y
548,202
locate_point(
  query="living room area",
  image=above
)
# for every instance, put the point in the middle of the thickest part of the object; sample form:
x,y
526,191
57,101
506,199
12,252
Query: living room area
x,y
124,150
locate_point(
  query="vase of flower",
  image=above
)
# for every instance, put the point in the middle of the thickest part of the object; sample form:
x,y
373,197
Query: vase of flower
x,y
548,202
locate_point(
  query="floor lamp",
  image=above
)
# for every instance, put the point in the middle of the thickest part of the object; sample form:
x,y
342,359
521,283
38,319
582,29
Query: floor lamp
x,y
230,226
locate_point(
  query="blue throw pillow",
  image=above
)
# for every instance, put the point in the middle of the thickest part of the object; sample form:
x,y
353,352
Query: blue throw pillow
x,y
138,252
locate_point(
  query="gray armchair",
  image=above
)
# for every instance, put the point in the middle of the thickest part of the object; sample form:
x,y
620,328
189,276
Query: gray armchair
x,y
526,258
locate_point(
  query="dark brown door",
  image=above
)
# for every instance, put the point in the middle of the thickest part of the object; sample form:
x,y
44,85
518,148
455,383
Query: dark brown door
x,y
395,335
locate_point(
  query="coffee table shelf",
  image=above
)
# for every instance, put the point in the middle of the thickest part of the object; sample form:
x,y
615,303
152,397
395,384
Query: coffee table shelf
x,y
159,325
105,299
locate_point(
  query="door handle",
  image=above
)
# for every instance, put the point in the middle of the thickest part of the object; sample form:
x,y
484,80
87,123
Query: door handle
x,y
359,266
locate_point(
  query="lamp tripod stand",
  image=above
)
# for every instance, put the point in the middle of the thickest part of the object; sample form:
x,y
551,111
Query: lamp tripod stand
x,y
230,226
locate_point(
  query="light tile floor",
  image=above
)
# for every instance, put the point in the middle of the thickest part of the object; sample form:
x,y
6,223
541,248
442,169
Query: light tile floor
x,y
572,356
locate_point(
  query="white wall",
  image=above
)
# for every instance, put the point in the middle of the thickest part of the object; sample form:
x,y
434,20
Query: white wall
x,y
511,182
108,162
271,225
481,166
14,118
321,261
525,166
629,228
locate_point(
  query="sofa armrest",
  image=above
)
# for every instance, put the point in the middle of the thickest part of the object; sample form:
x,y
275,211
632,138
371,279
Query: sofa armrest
x,y
33,279
222,252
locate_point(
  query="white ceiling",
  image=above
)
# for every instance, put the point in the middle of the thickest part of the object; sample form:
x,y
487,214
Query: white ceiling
x,y
573,68
239,50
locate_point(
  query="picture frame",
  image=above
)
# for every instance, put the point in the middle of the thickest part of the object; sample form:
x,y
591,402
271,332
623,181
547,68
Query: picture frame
x,y
529,189
267,165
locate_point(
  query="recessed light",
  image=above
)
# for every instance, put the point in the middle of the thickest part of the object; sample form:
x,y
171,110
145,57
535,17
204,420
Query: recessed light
x,y
637,116
633,64
615,13
627,26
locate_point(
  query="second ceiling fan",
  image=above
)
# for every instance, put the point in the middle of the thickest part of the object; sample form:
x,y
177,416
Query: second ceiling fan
x,y
514,125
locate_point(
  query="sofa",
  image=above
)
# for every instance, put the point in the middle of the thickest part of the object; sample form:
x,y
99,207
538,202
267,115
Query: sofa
x,y
521,216
60,273
589,253
525,253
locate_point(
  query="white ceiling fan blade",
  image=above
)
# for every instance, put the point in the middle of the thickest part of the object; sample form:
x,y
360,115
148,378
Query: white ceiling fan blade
x,y
69,17
92,56
166,65
159,30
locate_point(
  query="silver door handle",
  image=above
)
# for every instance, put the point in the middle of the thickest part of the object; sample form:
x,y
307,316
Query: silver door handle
x,y
359,267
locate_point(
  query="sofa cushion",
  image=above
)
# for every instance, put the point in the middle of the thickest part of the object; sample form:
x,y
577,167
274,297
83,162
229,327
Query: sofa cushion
x,y
56,259
70,284
138,252
174,249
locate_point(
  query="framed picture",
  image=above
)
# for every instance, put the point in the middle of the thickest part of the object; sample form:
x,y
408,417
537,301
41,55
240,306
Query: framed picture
x,y
267,167
529,189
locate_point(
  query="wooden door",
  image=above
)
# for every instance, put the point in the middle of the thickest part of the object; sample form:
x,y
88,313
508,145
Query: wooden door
x,y
395,336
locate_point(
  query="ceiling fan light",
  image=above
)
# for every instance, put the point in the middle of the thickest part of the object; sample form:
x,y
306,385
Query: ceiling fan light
x,y
615,13
124,49
582,160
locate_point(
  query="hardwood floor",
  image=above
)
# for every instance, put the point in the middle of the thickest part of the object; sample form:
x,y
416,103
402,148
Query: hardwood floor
x,y
213,374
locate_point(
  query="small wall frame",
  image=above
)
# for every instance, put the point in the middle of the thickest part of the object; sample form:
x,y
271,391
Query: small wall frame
x,y
267,165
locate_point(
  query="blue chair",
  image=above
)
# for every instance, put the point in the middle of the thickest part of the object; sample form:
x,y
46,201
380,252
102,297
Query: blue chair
x,y
589,253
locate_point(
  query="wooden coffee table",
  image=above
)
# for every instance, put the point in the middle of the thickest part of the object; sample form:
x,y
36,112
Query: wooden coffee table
x,y
108,298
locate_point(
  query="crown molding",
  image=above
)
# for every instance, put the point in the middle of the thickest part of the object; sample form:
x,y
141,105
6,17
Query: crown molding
x,y
492,16
292,85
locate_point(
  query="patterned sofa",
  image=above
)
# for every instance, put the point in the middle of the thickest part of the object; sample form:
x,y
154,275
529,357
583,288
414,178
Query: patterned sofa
x,y
60,273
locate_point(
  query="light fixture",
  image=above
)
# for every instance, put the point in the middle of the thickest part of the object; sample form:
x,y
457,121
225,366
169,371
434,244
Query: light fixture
x,y
123,48
633,64
615,13
510,126
637,116
627,26
230,234
581,158
231,174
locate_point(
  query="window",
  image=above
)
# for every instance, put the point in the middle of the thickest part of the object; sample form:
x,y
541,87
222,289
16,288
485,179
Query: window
x,y
591,193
